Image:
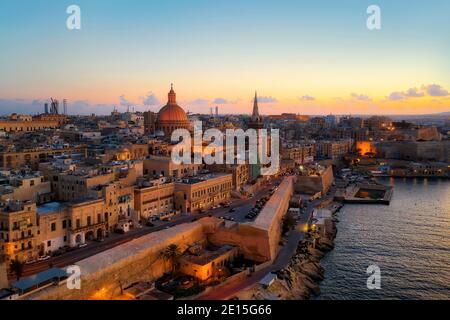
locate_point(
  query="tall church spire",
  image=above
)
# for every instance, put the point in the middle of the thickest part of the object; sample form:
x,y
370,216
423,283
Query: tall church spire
x,y
256,121
255,113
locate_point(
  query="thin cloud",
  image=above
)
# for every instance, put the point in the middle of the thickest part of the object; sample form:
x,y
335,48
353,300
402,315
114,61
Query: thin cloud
x,y
360,97
435,90
150,100
307,98
432,90
124,101
396,96
267,99
414,93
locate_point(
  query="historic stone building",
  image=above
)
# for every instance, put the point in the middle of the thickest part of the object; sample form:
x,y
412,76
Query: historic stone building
x,y
171,116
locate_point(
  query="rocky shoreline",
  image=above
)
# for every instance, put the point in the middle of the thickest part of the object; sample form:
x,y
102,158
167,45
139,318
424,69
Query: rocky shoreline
x,y
301,278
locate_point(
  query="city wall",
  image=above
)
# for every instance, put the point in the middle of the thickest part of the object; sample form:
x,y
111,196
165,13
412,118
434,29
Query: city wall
x,y
258,240
315,183
105,274
415,151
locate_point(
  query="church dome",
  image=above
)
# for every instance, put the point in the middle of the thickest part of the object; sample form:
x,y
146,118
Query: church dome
x,y
172,112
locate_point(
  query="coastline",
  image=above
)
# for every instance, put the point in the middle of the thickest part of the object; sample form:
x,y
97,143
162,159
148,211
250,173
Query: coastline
x,y
300,280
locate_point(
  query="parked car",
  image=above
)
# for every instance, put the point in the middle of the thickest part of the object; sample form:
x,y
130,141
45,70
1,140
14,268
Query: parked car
x,y
232,210
82,245
44,258
31,261
100,239
150,224
119,231
57,253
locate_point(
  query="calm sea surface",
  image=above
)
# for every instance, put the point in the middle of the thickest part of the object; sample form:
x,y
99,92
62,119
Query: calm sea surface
x,y
409,240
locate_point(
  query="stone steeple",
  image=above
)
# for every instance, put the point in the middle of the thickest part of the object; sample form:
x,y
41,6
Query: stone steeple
x,y
256,121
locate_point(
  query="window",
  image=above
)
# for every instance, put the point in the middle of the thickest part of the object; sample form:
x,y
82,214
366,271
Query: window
x,y
53,226
65,238
31,182
49,243
89,221
78,223
64,224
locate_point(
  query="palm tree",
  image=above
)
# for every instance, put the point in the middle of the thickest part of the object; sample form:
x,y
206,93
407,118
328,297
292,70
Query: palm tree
x,y
172,253
17,267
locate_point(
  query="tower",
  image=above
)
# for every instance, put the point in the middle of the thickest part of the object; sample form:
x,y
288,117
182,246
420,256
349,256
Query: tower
x,y
65,106
256,124
256,120
217,111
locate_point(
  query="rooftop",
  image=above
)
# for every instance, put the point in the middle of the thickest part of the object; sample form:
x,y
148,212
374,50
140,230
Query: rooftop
x,y
51,207
39,279
206,256
203,177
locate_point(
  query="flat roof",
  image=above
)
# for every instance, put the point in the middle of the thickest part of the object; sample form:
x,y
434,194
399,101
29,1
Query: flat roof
x,y
50,207
203,177
206,256
39,279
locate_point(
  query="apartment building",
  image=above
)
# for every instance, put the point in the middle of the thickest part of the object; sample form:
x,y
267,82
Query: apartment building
x,y
29,186
153,198
164,166
334,149
203,192
18,230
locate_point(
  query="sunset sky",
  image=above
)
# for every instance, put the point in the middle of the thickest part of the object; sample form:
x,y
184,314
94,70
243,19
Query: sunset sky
x,y
307,57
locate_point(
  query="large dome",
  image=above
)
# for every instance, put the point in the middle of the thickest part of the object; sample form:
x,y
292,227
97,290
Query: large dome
x,y
172,117
172,113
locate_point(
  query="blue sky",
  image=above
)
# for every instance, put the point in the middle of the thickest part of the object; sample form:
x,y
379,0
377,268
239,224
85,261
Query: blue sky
x,y
224,49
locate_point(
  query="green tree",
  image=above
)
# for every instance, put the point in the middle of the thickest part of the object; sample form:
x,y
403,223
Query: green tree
x,y
173,253
17,267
